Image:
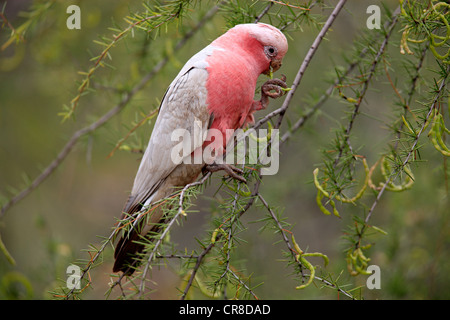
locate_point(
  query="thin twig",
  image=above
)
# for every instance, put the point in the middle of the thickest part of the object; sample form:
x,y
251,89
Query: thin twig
x,y
76,136
90,264
206,250
293,252
312,50
13,31
301,121
391,177
264,12
126,98
279,111
188,35
412,149
103,120
365,87
167,229
85,84
243,284
411,92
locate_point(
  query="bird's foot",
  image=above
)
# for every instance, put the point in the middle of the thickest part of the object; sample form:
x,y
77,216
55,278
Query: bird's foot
x,y
272,88
232,171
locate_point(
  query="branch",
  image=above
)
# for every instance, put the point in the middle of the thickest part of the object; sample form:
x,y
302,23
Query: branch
x,y
395,147
85,83
150,75
167,229
412,149
127,97
300,122
312,50
366,86
74,139
412,90
202,255
264,12
251,200
281,111
293,252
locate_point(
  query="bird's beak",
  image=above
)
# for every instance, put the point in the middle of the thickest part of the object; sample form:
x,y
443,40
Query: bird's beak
x,y
275,64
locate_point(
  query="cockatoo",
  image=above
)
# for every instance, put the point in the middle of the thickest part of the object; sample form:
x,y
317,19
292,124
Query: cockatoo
x,y
215,89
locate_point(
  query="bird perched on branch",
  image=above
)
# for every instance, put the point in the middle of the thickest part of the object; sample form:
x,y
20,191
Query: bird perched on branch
x,y
215,91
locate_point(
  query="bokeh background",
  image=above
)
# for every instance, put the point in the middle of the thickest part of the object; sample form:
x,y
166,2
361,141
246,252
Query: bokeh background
x,y
53,226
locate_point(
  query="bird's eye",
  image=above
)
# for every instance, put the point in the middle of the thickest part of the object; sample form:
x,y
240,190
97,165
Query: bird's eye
x,y
270,51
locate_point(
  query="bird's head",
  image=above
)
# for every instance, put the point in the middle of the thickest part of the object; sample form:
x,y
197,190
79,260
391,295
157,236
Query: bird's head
x,y
273,43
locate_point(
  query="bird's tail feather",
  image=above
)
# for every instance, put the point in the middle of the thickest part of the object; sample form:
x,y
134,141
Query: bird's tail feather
x,y
126,253
132,242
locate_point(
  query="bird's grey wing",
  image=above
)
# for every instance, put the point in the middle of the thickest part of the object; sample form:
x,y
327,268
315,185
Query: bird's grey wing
x,y
184,107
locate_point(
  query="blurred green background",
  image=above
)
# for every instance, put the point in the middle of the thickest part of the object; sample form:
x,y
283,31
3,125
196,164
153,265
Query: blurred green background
x,y
51,227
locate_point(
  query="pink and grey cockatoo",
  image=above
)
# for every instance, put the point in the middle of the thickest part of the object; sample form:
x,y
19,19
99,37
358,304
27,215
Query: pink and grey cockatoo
x,y
216,88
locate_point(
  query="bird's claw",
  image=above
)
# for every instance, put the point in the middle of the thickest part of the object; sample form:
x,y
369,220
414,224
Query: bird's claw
x,y
274,87
232,171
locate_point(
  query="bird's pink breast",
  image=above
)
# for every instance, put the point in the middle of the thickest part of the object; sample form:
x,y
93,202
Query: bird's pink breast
x,y
231,88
